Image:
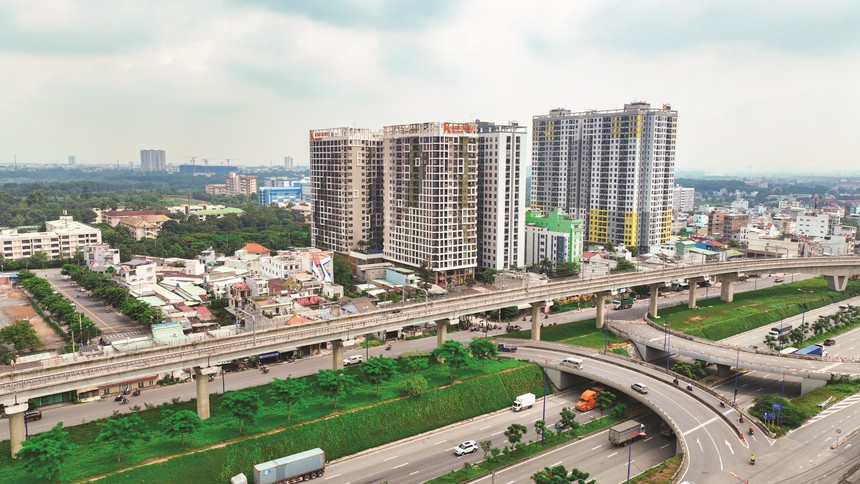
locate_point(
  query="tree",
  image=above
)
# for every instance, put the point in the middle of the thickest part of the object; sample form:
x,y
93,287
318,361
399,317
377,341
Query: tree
x,y
486,446
515,433
121,433
540,427
609,247
414,385
21,335
604,400
378,370
335,382
623,265
242,405
415,361
568,418
45,454
453,354
483,349
559,475
180,423
288,391
566,269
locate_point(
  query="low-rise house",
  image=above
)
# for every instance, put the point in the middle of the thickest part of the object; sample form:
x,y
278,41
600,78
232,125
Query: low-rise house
x,y
99,257
136,275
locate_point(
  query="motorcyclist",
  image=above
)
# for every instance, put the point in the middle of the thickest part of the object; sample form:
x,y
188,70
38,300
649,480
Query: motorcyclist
x,y
752,459
752,430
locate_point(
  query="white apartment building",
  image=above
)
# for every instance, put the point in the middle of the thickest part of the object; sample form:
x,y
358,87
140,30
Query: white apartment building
x,y
62,238
346,188
100,256
501,195
813,224
614,169
237,184
318,262
431,184
153,160
683,199
136,275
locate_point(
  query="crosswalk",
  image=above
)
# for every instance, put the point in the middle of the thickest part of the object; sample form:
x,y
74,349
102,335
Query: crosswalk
x,y
835,408
126,334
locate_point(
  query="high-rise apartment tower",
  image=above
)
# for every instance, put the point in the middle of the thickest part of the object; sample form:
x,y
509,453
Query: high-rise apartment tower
x,y
501,196
431,180
152,160
614,169
346,188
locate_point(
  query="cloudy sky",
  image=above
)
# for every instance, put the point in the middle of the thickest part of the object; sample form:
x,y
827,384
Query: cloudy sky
x,y
765,86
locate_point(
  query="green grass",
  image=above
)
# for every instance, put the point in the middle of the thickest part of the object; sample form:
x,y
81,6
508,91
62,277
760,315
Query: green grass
x,y
377,424
715,319
523,452
581,333
661,473
808,403
91,458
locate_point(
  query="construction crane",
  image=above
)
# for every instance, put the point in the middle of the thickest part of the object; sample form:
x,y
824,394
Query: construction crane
x,y
205,162
193,159
228,160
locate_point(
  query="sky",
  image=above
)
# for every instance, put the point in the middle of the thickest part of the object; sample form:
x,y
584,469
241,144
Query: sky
x,y
766,87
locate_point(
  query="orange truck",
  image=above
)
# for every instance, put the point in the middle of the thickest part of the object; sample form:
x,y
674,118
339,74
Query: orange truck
x,y
588,399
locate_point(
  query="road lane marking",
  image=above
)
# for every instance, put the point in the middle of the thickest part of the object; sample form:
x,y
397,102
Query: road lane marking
x,y
595,448
401,465
332,477
556,464
485,428
667,445
649,438
388,459
697,427
440,442
413,473
610,455
497,433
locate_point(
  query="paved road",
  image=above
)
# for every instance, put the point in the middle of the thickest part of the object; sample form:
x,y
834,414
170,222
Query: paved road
x,y
111,322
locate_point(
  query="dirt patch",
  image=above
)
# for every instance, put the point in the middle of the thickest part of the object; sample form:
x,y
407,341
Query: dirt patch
x,y
14,306
694,319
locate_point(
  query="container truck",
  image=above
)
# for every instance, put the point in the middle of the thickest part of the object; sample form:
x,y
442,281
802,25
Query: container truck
x,y
588,399
504,348
303,466
526,400
624,433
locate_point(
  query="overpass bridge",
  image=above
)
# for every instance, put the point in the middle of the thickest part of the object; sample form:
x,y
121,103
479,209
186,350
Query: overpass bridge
x,y
17,386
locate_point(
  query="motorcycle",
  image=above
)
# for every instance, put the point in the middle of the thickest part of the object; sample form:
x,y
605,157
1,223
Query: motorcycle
x,y
689,387
118,398
388,348
740,418
123,401
265,369
675,381
752,430
752,460
136,392
722,404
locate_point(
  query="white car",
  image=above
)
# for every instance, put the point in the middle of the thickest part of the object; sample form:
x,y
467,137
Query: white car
x,y
466,447
352,360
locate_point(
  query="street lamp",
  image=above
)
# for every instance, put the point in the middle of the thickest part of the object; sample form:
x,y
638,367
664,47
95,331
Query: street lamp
x,y
542,434
629,456
668,342
737,372
253,322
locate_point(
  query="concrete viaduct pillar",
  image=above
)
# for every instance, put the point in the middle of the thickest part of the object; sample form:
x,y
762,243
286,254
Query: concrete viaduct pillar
x,y
655,294
727,291
537,309
442,329
836,283
600,305
17,433
694,284
201,382
337,354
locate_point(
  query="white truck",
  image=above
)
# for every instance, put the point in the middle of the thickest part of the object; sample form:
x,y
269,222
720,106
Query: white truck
x,y
524,401
300,467
624,433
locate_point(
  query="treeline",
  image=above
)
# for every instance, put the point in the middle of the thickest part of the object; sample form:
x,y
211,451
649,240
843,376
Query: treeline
x,y
108,292
73,324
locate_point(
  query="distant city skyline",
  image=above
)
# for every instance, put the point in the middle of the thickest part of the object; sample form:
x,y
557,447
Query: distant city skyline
x,y
762,88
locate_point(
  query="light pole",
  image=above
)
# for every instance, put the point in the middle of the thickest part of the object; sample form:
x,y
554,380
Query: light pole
x,y
737,372
668,348
629,456
253,323
542,434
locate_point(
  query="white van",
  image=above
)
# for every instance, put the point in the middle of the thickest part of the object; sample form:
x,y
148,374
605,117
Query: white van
x,y
572,362
640,387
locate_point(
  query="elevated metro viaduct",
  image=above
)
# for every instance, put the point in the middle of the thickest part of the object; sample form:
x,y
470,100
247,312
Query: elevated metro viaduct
x,y
17,387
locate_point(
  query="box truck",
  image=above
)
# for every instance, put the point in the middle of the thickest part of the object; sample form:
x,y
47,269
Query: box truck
x,y
524,401
303,466
624,433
